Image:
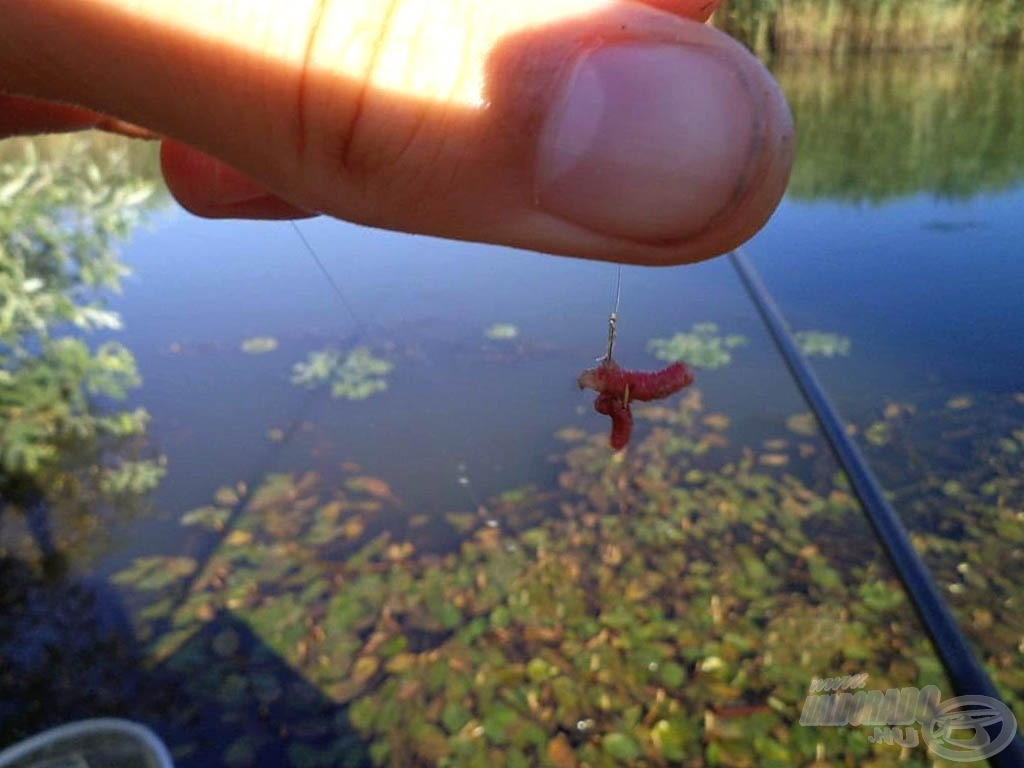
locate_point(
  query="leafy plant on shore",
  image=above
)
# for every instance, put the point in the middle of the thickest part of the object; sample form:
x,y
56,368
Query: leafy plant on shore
x,y
60,217
840,26
925,124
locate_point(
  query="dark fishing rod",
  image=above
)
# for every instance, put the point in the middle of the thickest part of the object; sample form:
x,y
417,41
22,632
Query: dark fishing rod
x,y
961,665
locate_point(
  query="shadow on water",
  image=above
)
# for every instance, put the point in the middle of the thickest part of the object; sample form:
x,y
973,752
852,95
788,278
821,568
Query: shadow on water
x,y
69,652
66,650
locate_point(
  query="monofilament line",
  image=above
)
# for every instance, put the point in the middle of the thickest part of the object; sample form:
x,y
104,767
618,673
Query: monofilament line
x,y
618,289
613,318
323,269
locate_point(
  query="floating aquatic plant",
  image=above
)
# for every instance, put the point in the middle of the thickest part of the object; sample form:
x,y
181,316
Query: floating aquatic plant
x,y
644,614
879,433
353,376
703,347
259,345
502,332
822,344
317,369
803,424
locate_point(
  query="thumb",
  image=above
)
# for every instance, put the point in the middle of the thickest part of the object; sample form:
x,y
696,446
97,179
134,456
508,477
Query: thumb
x,y
611,130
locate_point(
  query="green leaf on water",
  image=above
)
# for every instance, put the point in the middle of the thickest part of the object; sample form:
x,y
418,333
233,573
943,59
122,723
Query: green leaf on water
x,y
353,376
672,736
497,722
702,347
259,345
879,433
672,675
501,332
822,344
621,746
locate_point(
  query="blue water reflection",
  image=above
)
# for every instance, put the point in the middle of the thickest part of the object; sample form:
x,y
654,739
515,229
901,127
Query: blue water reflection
x,y
926,285
927,290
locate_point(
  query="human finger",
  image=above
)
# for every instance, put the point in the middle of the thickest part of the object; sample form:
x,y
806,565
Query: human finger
x,y
612,130
23,116
208,187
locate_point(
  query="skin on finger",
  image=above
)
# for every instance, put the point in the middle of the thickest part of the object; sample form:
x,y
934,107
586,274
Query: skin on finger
x,y
23,116
698,10
208,187
481,179
435,116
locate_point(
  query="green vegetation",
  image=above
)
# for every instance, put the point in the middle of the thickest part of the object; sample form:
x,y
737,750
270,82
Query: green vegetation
x,y
259,345
63,206
501,332
822,344
702,347
838,26
665,606
137,160
890,126
353,376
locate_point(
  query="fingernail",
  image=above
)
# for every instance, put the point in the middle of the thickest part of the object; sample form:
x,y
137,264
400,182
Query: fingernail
x,y
649,142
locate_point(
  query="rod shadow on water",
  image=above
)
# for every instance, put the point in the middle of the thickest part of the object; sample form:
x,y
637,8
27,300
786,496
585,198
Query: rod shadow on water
x,y
22,495
68,653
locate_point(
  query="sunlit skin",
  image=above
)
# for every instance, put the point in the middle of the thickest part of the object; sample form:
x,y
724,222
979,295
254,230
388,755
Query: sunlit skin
x,y
423,116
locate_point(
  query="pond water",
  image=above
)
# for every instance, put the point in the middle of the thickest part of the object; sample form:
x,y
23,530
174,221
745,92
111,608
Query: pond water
x,y
350,548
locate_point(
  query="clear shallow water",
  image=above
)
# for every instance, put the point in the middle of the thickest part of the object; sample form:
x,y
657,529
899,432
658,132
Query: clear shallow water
x,y
449,402
927,290
931,288
920,271
926,285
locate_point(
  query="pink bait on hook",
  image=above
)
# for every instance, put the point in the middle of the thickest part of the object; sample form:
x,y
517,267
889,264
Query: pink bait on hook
x,y
617,387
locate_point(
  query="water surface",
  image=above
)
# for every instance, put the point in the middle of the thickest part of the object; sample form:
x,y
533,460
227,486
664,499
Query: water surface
x,y
901,233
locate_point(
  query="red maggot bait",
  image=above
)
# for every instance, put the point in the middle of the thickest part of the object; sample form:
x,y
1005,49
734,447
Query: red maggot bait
x,y
608,378
617,387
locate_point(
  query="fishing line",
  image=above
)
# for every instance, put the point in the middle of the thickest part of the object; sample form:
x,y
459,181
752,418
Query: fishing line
x,y
613,318
467,486
326,274
209,549
618,288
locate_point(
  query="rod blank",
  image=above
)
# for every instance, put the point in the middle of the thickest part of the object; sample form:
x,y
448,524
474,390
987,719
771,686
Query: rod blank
x,y
961,665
